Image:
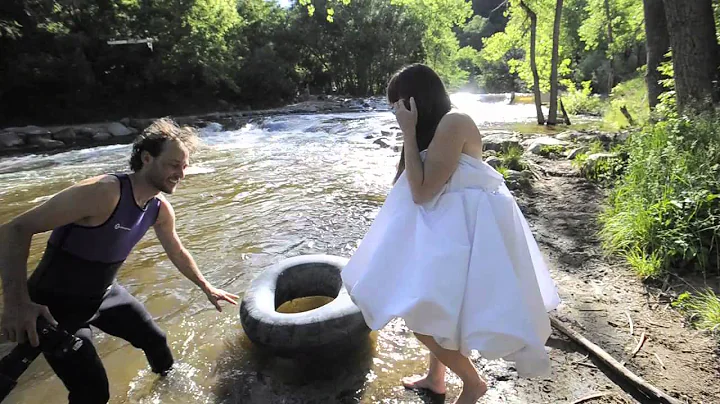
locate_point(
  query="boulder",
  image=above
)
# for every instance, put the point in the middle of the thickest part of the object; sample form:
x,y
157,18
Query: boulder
x,y
536,145
518,179
567,136
10,139
576,151
622,136
500,141
592,161
140,124
382,142
31,131
45,143
119,130
66,135
102,137
84,132
493,161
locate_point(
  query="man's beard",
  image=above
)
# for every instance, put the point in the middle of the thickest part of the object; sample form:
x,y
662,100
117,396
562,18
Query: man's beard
x,y
161,184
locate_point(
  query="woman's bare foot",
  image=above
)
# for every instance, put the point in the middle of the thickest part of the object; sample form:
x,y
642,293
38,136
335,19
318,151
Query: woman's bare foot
x,y
471,393
424,382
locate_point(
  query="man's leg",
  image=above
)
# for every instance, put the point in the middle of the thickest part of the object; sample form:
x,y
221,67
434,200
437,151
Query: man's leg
x,y
82,372
123,316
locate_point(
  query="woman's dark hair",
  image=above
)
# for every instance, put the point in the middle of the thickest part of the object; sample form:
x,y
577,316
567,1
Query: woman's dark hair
x,y
432,100
153,139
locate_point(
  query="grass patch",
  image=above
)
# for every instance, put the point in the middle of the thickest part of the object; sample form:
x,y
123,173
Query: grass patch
x,y
631,94
552,151
663,214
605,169
513,158
582,101
703,309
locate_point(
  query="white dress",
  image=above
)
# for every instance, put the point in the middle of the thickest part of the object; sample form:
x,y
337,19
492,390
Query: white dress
x,y
463,268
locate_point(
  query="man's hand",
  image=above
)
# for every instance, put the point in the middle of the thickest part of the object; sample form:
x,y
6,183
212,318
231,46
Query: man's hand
x,y
19,322
215,295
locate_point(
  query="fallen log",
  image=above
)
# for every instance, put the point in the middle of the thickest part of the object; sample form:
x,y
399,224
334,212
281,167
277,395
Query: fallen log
x,y
647,388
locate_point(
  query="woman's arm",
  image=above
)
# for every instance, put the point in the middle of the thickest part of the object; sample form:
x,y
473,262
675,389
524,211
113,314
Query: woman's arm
x,y
427,178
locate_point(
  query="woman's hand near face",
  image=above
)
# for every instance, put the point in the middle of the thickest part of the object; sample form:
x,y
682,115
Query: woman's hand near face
x,y
406,118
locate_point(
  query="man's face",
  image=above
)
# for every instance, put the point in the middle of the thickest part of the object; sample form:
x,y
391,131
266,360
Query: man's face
x,y
165,171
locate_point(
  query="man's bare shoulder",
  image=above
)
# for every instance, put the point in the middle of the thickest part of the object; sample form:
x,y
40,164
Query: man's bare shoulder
x,y
101,188
167,213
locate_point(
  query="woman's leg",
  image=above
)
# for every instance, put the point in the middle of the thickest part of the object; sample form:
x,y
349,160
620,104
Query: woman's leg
x,y
434,380
474,387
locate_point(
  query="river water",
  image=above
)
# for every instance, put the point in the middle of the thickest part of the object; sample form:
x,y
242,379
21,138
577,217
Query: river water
x,y
255,193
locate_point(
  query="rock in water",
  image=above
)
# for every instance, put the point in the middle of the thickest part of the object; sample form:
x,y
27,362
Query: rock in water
x,y
10,139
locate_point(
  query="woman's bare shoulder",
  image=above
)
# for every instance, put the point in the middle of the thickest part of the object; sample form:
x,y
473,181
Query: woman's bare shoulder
x,y
459,122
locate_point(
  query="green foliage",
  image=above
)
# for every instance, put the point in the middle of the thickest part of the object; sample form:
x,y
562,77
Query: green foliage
x,y
512,159
703,309
356,53
631,94
329,10
244,51
516,36
582,101
551,151
667,105
664,213
439,42
626,20
603,169
584,48
504,171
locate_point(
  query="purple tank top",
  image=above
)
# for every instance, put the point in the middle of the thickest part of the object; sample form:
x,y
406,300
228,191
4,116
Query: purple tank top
x,y
112,241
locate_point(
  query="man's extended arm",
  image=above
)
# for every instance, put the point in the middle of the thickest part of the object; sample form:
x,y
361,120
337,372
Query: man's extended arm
x,y
181,258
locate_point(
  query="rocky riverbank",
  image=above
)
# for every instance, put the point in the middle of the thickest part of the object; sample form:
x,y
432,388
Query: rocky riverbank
x,y
507,151
47,139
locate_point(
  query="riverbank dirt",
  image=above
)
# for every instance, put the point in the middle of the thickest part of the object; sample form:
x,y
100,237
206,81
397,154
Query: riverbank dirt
x,y
601,298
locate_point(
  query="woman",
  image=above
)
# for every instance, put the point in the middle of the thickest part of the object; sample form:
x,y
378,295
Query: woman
x,y
450,251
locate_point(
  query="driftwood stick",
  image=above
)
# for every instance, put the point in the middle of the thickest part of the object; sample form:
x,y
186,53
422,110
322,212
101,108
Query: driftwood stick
x,y
639,345
627,313
637,381
659,360
590,397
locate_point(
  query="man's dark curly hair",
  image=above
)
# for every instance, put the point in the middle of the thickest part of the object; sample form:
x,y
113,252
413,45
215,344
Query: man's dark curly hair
x,y
153,139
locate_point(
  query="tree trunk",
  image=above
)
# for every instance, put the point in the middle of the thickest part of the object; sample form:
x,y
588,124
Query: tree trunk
x,y
658,44
533,66
694,52
611,74
552,114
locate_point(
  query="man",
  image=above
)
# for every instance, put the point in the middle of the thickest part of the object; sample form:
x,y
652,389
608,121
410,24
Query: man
x,y
95,224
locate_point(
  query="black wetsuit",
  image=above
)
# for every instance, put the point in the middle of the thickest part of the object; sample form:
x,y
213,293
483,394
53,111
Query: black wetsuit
x,y
76,279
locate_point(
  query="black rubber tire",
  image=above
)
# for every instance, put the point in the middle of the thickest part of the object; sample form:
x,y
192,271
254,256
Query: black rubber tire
x,y
338,325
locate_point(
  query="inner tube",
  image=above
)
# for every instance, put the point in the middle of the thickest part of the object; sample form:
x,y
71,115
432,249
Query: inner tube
x,y
338,325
